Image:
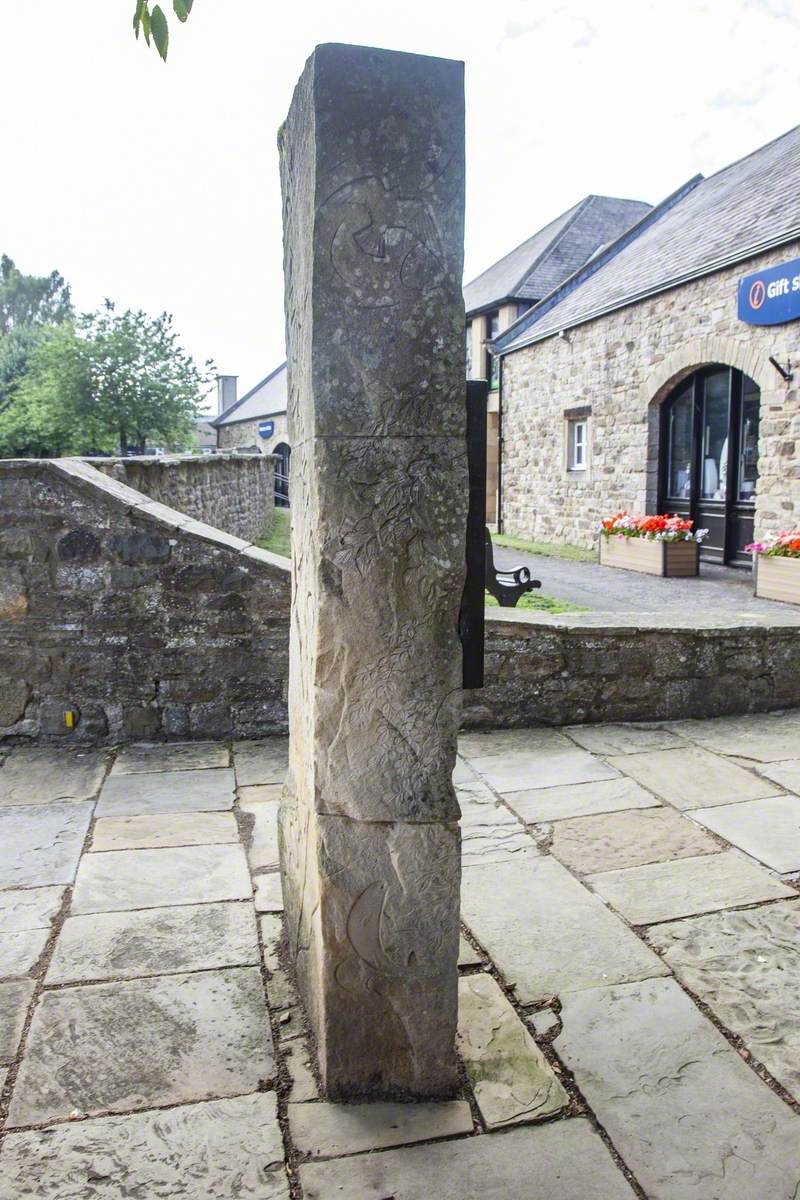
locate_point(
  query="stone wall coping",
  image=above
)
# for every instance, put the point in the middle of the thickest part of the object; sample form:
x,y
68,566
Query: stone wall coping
x,y
527,623
82,475
166,460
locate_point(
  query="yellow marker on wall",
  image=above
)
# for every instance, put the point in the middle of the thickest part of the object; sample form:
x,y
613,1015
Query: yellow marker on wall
x,y
70,718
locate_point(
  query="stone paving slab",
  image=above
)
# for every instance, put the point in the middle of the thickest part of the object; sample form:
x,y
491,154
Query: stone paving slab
x,y
172,756
268,893
298,1063
546,932
167,792
785,773
123,879
154,941
528,770
693,777
483,743
210,1151
762,737
561,1161
627,839
467,957
511,1078
33,775
262,804
41,844
141,1043
20,952
768,830
745,966
579,800
623,739
29,908
14,1000
265,761
687,887
153,831
324,1130
688,1116
271,926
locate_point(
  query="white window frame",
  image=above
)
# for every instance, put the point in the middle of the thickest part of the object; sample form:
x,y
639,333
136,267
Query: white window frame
x,y
578,444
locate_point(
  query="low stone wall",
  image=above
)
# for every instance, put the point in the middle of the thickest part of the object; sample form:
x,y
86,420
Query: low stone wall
x,y
150,625
234,492
145,623
587,667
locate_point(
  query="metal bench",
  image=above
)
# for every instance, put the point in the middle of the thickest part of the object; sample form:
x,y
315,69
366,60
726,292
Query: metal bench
x,y
506,586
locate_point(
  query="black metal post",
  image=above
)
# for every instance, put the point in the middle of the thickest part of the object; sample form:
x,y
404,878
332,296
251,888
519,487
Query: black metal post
x,y
473,601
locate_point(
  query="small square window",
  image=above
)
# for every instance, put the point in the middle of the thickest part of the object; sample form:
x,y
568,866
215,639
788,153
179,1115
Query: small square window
x,y
577,445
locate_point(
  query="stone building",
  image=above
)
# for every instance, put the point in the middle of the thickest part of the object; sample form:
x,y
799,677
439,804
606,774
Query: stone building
x,y
497,297
257,421
661,375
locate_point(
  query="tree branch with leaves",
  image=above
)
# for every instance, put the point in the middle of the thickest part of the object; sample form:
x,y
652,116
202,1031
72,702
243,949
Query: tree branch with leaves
x,y
153,25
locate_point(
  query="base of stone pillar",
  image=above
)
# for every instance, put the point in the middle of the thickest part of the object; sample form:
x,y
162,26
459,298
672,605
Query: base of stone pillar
x,y
372,910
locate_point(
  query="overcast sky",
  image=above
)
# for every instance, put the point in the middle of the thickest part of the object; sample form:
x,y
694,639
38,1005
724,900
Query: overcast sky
x,y
157,185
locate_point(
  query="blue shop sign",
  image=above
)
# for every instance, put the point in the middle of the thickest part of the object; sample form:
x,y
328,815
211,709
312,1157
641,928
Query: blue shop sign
x,y
772,296
266,428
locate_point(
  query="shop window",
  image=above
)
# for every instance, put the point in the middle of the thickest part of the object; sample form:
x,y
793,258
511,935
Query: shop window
x,y
577,444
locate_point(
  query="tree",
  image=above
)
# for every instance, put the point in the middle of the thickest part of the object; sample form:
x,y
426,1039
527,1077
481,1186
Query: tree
x,y
109,381
153,24
31,299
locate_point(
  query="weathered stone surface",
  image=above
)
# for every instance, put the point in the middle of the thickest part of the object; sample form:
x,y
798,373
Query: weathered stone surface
x,y
167,791
144,1042
271,926
768,830
786,773
209,1151
29,908
555,764
155,830
762,737
281,993
42,844
627,839
567,1161
745,966
256,802
124,879
484,743
14,1000
383,902
579,800
546,933
331,1130
510,1076
298,1061
692,777
20,952
268,892
687,1115
176,756
467,957
261,762
664,891
35,775
156,941
489,832
623,739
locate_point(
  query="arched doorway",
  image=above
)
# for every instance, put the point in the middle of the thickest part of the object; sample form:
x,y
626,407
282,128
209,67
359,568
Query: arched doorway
x,y
708,458
283,453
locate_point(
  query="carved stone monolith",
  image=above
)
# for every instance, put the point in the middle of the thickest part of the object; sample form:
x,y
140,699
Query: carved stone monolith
x,y
372,168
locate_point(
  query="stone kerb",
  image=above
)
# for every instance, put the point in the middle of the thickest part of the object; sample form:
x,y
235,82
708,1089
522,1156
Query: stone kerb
x,y
137,618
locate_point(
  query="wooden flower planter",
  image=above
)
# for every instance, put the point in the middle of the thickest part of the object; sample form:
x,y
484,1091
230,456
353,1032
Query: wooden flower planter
x,y
777,577
650,557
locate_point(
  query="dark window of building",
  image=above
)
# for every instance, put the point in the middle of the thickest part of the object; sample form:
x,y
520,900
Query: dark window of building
x,y
492,331
468,349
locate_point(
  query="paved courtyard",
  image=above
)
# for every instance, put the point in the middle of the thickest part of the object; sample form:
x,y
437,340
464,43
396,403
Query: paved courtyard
x,y
629,1017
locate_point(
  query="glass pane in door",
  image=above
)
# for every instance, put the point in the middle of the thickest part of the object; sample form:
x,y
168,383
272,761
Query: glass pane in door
x,y
716,394
679,476
748,441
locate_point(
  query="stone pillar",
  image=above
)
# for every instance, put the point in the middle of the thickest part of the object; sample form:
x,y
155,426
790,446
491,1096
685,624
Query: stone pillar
x,y
372,166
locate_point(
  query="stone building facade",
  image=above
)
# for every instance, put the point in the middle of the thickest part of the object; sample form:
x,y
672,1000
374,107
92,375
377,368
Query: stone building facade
x,y
617,370
245,435
648,382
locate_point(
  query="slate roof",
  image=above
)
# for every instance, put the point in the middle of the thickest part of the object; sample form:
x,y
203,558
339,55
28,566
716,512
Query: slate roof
x,y
267,399
742,210
555,252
